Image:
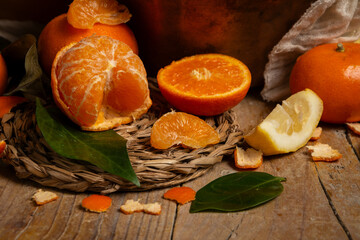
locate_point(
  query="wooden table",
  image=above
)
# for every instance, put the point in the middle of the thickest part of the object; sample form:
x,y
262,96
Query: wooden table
x,y
320,200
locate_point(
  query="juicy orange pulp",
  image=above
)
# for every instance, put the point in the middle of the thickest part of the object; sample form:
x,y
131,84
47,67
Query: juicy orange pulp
x,y
83,14
205,84
176,128
100,83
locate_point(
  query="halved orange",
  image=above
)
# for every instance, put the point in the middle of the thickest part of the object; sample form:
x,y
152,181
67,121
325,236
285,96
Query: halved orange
x,y
179,128
204,84
83,14
100,83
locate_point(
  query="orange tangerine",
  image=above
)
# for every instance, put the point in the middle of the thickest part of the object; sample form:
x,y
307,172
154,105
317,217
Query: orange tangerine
x,y
58,33
100,83
3,75
8,102
83,14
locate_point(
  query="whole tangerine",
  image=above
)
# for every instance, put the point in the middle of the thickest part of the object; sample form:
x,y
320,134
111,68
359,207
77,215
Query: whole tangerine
x,y
58,33
333,72
3,75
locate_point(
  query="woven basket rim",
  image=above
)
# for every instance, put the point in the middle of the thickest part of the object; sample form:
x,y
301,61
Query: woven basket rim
x,y
31,157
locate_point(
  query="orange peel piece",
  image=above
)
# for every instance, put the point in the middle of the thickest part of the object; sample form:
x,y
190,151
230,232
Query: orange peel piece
x,y
248,159
324,152
181,195
131,207
42,197
316,134
355,127
152,208
96,203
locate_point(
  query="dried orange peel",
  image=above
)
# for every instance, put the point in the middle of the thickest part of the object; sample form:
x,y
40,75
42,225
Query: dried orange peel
x,y
132,206
181,195
96,203
247,159
354,127
42,197
178,128
324,152
83,14
316,134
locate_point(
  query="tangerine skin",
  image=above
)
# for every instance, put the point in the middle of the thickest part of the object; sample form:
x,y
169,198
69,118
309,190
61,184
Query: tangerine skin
x,y
58,33
334,76
3,75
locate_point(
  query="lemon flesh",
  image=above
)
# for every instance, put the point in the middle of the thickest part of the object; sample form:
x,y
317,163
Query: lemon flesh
x,y
289,126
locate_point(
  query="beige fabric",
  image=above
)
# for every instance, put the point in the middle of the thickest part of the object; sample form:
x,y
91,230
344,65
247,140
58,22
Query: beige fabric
x,y
325,21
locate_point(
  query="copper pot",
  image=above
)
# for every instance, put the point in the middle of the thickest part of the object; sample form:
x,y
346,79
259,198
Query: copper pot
x,y
168,30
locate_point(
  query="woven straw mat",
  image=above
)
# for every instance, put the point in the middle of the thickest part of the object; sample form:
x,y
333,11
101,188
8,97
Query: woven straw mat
x,y
33,159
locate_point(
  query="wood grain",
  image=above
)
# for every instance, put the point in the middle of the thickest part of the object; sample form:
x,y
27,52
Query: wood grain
x,y
320,200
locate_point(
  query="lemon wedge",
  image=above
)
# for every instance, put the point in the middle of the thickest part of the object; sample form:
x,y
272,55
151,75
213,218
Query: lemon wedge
x,y
289,126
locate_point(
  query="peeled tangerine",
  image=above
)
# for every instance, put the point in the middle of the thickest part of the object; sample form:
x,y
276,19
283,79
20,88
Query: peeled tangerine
x,y
289,126
99,83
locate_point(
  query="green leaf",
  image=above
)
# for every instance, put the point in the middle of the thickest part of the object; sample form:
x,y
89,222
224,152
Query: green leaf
x,y
105,149
237,191
31,84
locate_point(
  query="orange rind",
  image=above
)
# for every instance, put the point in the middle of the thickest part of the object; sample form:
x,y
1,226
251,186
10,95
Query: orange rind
x,y
324,152
247,159
181,195
96,203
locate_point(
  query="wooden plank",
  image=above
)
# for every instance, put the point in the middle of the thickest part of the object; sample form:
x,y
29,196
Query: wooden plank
x,y
341,179
302,211
320,201
66,219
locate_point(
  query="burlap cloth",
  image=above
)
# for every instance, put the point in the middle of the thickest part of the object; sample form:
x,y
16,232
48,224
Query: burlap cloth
x,y
325,21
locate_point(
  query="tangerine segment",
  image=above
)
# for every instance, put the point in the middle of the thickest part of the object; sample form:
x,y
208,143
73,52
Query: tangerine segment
x,y
205,84
181,128
99,83
83,14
